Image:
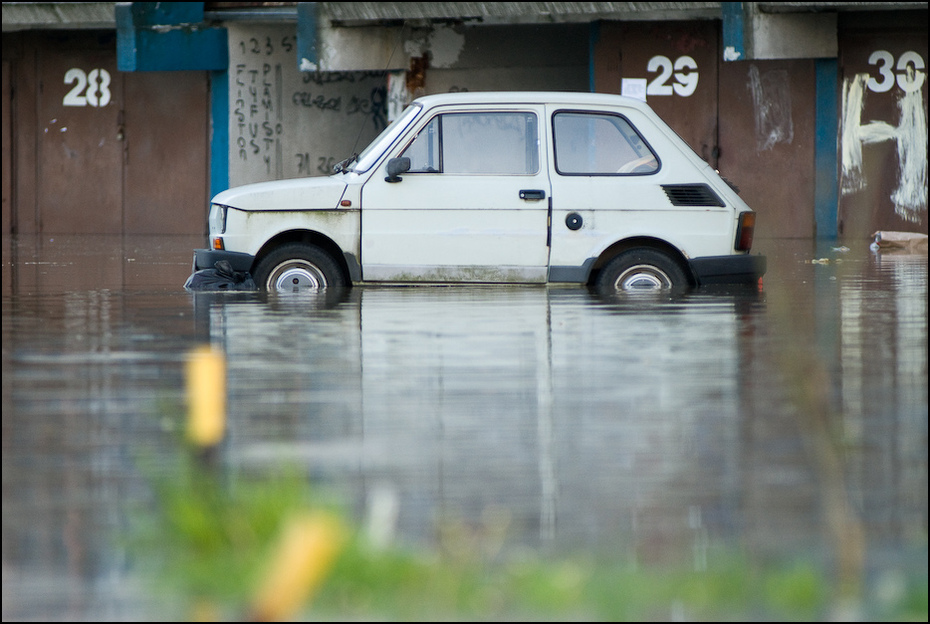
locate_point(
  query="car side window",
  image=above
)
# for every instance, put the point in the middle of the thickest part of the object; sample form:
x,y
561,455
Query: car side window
x,y
424,151
500,143
599,144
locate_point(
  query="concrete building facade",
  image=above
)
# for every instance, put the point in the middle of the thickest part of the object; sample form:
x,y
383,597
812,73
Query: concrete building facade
x,y
127,117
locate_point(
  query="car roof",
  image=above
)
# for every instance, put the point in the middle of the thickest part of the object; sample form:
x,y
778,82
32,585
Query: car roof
x,y
561,98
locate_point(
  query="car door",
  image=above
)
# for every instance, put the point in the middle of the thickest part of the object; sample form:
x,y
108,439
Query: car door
x,y
472,208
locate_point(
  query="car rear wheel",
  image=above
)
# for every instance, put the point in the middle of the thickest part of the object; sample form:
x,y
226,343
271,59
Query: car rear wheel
x,y
297,267
641,270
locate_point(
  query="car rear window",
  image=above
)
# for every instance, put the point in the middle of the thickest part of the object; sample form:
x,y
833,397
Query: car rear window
x,y
588,143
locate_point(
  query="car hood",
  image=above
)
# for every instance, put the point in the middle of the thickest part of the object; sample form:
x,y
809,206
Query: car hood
x,y
318,193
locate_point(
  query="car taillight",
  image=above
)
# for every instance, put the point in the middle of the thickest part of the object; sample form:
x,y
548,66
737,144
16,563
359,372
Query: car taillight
x,y
744,231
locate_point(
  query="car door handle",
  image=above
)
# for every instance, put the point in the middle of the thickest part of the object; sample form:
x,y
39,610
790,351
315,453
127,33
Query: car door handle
x,y
532,194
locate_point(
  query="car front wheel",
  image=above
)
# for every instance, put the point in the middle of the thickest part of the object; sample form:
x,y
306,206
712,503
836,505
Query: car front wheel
x,y
297,267
641,270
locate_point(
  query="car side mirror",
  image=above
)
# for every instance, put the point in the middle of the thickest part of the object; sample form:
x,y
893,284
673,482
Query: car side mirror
x,y
395,167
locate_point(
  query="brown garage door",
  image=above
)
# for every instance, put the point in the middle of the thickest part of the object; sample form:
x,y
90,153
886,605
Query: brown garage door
x,y
883,128
754,121
767,141
79,175
674,65
115,152
166,169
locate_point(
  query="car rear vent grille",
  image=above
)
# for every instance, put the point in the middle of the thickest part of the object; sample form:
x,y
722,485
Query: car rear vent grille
x,y
692,195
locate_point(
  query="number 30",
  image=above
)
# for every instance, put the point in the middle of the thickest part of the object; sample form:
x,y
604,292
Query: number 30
x,y
906,80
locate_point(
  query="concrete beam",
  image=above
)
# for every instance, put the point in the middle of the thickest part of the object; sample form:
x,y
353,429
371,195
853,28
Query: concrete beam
x,y
57,15
749,33
362,48
358,13
791,35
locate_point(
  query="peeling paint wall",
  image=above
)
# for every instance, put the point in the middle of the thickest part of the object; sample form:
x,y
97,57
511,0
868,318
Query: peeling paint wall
x,y
284,123
444,45
505,58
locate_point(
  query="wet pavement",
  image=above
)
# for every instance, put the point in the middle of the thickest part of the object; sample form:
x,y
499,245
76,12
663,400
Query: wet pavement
x,y
790,420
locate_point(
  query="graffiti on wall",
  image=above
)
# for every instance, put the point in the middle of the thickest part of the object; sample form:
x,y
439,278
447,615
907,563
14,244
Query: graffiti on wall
x,y
285,123
372,105
905,76
257,115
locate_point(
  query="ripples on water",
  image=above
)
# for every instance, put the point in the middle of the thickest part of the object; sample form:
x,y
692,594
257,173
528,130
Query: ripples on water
x,y
649,430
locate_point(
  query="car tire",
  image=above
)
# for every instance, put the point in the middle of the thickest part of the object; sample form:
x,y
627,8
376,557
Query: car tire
x,y
298,267
642,271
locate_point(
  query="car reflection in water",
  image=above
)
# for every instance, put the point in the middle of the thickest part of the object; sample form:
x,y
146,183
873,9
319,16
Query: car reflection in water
x,y
640,429
607,422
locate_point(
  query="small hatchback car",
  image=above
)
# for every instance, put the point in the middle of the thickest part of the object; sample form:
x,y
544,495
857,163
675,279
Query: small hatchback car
x,y
514,187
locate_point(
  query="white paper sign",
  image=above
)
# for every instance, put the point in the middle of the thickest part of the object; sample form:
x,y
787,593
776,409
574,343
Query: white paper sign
x,y
634,88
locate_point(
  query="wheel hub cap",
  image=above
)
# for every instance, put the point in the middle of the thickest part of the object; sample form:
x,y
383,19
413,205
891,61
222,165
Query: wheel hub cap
x,y
643,278
298,278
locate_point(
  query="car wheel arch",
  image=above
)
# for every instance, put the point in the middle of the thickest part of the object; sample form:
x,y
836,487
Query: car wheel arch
x,y
642,242
306,237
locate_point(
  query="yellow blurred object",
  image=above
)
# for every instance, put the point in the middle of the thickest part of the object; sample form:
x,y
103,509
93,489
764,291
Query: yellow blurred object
x,y
306,550
205,611
206,396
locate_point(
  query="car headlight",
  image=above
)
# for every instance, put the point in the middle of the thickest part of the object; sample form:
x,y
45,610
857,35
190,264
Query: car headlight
x,y
217,220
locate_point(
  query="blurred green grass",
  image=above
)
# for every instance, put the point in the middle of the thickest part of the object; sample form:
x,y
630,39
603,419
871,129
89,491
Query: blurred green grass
x,y
206,539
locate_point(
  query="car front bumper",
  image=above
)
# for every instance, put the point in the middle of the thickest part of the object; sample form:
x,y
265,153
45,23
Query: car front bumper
x,y
744,269
207,258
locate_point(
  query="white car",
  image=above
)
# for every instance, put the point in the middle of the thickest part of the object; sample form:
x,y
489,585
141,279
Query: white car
x,y
511,187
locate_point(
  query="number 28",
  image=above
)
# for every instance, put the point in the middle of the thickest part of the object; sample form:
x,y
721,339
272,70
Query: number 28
x,y
97,83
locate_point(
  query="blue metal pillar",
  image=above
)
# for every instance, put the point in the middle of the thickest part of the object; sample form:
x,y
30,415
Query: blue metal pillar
x,y
734,42
826,193
167,36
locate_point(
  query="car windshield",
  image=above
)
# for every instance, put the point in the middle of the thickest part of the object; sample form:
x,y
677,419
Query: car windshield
x,y
387,137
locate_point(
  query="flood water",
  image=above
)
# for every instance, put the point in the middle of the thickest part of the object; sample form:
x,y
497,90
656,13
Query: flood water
x,y
784,421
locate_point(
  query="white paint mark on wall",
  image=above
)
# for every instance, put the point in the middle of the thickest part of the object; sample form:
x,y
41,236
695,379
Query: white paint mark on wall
x,y
417,43
771,97
446,46
910,135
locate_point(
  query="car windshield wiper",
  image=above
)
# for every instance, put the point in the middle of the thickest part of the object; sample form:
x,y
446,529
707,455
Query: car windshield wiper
x,y
343,165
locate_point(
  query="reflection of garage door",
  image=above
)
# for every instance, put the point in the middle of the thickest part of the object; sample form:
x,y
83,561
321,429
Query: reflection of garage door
x,y
117,153
883,158
7,150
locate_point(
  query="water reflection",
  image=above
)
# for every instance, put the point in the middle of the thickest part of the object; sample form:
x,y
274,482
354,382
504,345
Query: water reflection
x,y
647,430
